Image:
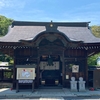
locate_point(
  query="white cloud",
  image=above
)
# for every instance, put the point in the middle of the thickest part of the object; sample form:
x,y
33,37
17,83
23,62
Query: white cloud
x,y
2,3
11,4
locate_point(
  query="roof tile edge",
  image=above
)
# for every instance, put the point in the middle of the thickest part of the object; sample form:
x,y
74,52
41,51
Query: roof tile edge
x,y
30,23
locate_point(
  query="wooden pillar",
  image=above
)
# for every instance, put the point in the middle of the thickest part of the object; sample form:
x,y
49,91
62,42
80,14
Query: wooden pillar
x,y
14,71
37,72
33,86
63,69
17,86
86,74
86,69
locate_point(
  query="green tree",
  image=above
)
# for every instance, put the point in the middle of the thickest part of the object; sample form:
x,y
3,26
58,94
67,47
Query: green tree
x,y
4,24
6,58
96,30
92,60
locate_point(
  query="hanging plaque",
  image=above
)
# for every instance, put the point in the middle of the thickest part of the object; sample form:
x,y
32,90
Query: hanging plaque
x,y
75,68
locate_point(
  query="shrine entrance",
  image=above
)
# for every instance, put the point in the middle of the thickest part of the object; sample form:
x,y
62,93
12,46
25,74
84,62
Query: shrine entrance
x,y
50,70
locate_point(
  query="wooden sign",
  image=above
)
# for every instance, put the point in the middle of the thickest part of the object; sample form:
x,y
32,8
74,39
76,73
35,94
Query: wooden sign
x,y
75,68
44,66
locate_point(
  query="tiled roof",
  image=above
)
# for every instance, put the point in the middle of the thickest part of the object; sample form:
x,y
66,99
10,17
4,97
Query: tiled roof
x,y
17,33
79,34
75,31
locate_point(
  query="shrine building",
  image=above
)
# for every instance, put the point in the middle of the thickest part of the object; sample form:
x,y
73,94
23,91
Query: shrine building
x,y
50,53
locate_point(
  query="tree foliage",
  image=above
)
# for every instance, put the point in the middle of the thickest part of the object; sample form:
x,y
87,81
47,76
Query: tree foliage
x,y
92,60
96,30
4,24
6,58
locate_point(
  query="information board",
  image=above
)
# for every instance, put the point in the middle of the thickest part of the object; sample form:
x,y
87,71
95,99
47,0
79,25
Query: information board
x,y
25,73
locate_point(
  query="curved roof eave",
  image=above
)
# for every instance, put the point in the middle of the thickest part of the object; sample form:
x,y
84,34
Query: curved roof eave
x,y
45,32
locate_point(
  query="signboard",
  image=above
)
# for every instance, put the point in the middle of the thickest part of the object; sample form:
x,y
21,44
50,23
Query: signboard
x,y
44,66
26,73
75,68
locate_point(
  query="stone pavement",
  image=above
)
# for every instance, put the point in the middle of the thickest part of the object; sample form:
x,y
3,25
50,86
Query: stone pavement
x,y
48,93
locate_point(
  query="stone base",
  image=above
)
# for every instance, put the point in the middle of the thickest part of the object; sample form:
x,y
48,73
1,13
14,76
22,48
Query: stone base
x,y
73,90
82,90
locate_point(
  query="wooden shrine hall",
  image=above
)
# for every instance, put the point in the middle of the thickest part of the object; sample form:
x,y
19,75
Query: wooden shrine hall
x,y
49,53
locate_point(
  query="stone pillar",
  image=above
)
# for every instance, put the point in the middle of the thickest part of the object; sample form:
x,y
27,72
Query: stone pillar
x,y
81,84
73,84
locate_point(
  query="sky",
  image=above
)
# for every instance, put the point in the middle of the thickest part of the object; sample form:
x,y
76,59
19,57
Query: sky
x,y
55,10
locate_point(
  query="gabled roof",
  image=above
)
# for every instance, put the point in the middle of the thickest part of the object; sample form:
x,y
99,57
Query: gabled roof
x,y
75,31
